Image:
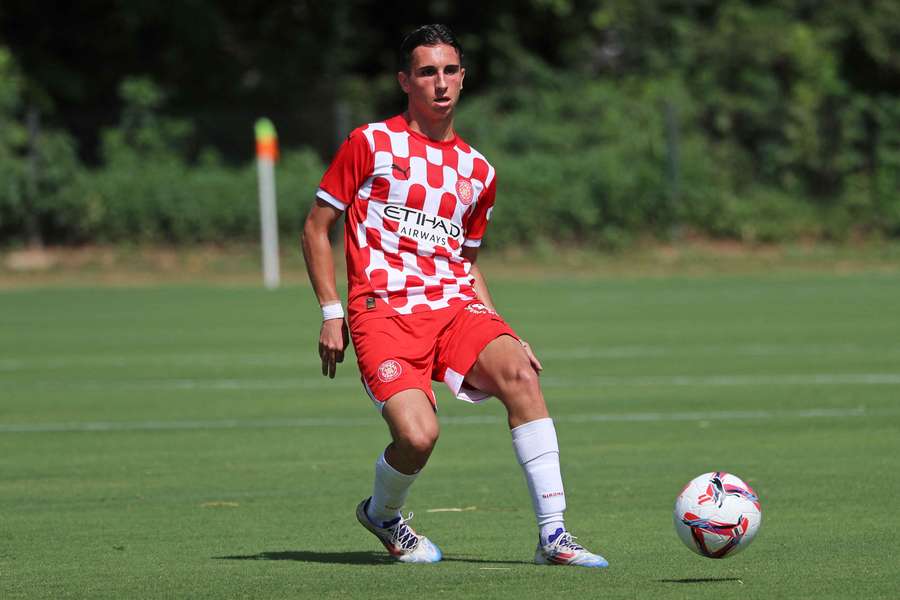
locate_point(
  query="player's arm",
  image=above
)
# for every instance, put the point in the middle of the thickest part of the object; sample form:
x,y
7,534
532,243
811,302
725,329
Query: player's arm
x,y
470,253
317,252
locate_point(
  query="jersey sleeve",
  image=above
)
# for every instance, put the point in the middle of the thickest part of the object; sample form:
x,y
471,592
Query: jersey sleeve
x,y
349,169
477,222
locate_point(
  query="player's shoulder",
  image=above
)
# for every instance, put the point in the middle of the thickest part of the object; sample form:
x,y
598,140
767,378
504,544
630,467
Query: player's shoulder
x,y
481,167
468,148
358,136
370,133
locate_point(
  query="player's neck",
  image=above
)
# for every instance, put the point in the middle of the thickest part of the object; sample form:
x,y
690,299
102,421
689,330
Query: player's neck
x,y
440,130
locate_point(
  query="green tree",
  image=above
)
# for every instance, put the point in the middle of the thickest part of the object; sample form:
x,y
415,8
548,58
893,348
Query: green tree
x,y
13,140
37,167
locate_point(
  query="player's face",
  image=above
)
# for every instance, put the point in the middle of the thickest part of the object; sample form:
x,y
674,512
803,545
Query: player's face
x,y
434,80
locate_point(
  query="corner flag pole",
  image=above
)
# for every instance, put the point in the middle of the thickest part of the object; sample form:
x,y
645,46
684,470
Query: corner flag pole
x,y
266,155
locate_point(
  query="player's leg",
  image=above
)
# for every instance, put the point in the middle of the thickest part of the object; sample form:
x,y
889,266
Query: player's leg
x,y
414,431
502,369
394,358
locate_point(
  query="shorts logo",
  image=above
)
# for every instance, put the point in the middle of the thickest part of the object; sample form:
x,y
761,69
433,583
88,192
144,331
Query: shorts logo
x,y
478,308
389,370
464,191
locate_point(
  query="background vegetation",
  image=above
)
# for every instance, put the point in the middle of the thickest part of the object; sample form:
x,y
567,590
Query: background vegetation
x,y
748,120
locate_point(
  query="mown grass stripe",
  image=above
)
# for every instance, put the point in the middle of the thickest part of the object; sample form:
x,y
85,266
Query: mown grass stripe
x,y
293,359
639,417
583,381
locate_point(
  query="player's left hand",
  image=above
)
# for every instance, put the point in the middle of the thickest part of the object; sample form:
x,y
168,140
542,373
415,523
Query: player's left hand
x,y
535,363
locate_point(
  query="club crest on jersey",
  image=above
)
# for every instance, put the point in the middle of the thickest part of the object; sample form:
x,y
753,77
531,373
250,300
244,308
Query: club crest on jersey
x,y
464,190
389,370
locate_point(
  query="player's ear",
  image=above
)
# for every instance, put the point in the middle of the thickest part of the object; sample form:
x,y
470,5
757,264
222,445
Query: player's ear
x,y
403,80
462,76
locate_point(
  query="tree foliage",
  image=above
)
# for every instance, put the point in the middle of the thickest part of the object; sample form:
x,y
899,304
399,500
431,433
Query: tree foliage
x,y
753,119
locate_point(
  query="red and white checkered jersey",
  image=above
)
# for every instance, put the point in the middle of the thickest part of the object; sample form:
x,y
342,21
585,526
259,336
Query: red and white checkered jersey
x,y
411,203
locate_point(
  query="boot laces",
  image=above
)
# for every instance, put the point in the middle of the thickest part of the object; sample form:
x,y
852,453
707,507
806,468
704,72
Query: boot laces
x,y
567,540
403,536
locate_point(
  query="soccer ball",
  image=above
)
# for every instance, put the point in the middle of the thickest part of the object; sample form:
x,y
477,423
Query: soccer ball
x,y
717,515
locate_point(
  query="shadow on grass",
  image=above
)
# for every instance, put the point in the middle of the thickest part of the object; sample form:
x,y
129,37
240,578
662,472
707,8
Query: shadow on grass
x,y
701,580
351,558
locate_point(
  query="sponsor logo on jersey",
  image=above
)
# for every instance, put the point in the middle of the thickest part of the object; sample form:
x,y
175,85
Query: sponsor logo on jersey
x,y
421,226
464,190
389,370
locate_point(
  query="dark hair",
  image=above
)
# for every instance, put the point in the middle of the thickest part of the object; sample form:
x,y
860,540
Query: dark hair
x,y
426,35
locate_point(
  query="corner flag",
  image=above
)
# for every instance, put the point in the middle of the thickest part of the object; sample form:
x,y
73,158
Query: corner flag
x,y
266,155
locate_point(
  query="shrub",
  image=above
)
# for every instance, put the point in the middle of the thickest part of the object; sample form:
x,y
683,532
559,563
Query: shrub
x,y
148,191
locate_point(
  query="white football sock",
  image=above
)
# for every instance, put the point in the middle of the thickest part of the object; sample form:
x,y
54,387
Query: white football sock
x,y
538,452
389,493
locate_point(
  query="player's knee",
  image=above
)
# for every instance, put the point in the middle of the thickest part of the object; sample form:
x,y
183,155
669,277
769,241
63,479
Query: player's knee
x,y
521,379
420,441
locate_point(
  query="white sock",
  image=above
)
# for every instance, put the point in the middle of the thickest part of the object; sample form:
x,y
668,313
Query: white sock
x,y
538,452
389,493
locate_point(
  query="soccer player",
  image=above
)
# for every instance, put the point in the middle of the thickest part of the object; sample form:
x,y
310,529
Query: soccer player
x,y
417,200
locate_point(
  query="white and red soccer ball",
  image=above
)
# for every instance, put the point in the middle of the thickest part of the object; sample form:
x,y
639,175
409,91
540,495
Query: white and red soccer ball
x,y
717,515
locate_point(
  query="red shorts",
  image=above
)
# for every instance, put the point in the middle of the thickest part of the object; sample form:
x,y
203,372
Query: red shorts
x,y
410,351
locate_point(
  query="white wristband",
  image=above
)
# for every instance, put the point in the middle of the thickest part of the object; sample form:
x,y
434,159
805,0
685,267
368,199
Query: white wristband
x,y
333,310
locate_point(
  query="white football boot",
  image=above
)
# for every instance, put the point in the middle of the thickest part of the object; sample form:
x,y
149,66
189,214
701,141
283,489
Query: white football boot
x,y
400,540
562,549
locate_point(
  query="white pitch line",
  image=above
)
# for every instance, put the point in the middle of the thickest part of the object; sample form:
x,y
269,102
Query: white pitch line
x,y
321,423
49,363
174,385
575,382
594,352
290,358
727,380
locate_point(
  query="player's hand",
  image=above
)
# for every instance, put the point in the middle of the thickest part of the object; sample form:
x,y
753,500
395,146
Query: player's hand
x,y
535,363
333,340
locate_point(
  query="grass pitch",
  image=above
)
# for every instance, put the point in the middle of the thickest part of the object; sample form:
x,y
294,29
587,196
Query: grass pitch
x,y
181,442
